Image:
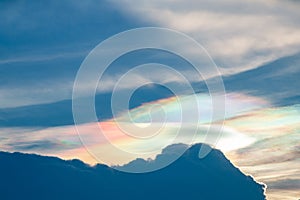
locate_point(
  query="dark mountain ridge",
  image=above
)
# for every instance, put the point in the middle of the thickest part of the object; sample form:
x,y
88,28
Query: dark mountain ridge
x,y
27,176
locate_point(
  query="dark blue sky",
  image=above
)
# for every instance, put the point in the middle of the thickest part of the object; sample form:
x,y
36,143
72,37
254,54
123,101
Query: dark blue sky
x,y
42,45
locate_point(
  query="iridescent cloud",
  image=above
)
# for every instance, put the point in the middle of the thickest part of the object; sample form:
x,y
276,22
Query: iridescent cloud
x,y
65,143
274,157
260,140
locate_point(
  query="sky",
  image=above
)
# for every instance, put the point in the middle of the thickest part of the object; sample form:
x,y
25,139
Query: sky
x,y
254,44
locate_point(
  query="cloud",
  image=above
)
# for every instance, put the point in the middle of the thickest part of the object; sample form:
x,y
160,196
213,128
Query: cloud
x,y
152,74
36,145
274,156
38,60
238,35
286,184
262,141
277,81
246,36
44,141
65,140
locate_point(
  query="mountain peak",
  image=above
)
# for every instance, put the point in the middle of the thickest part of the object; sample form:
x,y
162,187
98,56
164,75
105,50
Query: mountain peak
x,y
213,177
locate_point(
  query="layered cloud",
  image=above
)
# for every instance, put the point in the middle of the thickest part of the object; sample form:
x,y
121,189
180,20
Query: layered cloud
x,y
64,141
274,156
41,51
238,35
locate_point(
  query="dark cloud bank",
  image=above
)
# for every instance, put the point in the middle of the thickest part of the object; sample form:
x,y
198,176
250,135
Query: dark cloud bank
x,y
25,176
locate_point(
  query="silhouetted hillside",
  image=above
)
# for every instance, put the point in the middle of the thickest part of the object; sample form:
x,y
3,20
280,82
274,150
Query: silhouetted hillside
x,y
25,176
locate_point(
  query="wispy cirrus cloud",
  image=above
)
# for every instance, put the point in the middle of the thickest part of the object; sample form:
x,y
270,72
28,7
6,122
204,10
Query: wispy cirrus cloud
x,y
41,49
238,34
274,157
39,62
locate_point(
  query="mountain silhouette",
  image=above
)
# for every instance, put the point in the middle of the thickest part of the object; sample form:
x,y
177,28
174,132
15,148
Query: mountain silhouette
x,y
28,176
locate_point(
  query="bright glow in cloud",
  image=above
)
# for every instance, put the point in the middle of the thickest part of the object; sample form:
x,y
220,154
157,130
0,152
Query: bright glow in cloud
x,y
275,156
64,141
263,142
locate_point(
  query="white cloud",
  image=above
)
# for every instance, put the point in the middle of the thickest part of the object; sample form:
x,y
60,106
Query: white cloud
x,y
39,94
238,34
152,73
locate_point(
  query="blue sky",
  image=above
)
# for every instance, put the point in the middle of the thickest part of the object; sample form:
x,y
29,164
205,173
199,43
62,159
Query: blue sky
x,y
41,51
255,44
43,45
